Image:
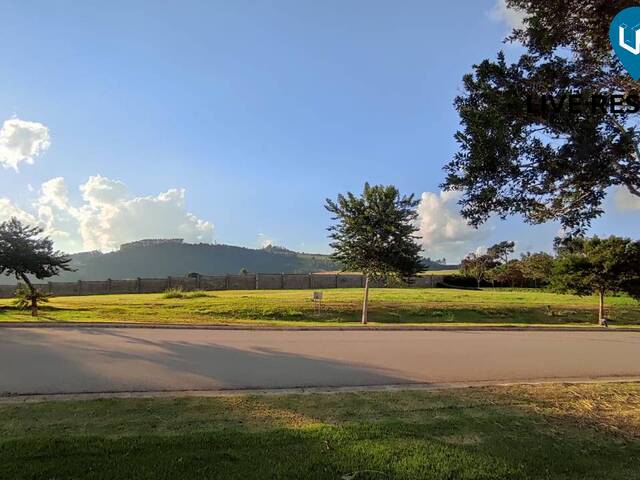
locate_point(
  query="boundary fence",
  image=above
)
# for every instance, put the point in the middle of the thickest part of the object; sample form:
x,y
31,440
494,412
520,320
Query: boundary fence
x,y
260,281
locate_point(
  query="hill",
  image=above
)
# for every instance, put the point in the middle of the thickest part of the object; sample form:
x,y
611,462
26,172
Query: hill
x,y
153,258
158,258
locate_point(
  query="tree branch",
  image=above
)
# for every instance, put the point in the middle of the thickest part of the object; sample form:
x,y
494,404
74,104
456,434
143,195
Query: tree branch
x,y
632,188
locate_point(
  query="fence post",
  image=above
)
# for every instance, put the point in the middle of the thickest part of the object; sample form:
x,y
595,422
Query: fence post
x,y
257,281
336,280
226,282
108,285
138,285
198,282
79,287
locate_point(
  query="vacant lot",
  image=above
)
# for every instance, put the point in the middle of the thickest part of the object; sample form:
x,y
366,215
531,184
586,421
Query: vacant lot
x,y
406,306
527,432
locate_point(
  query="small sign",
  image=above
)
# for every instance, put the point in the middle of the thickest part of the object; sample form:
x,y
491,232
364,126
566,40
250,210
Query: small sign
x,y
317,296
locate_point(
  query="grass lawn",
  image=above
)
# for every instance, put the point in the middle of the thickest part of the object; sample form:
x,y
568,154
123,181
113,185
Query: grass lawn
x,y
524,432
340,306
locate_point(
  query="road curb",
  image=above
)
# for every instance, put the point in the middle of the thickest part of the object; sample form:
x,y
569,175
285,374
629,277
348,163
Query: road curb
x,y
327,390
351,328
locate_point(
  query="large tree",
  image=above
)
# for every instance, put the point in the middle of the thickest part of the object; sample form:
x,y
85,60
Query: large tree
x,y
587,266
516,158
374,234
24,252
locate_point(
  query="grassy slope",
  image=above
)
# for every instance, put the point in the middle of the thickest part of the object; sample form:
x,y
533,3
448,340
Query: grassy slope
x,y
443,306
533,432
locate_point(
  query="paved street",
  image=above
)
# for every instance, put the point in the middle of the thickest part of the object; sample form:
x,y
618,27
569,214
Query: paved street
x,y
74,360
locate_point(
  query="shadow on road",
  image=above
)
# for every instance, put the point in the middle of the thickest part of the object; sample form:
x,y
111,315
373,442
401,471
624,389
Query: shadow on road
x,y
101,360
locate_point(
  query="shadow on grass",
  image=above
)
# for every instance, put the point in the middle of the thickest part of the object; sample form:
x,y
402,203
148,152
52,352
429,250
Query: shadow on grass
x,y
423,438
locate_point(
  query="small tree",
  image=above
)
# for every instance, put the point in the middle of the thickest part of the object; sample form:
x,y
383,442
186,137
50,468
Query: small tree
x,y
374,234
477,266
501,251
23,252
509,273
587,266
537,267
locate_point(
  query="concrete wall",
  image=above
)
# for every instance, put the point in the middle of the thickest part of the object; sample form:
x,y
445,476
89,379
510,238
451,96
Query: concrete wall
x,y
269,281
296,282
260,281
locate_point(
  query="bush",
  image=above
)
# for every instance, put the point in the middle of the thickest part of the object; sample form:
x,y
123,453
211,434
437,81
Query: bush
x,y
179,293
173,293
457,280
24,296
196,294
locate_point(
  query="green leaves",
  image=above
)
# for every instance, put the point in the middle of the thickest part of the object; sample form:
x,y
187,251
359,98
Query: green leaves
x,y
553,165
375,232
586,266
24,252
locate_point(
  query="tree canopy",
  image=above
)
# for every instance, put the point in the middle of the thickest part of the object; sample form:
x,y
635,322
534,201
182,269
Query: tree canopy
x,y
585,266
24,252
375,232
478,265
555,163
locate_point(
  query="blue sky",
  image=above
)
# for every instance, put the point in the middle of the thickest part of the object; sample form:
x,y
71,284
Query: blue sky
x,y
259,110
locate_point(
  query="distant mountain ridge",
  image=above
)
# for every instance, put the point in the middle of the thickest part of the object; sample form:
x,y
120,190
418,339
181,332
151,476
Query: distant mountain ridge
x,y
160,258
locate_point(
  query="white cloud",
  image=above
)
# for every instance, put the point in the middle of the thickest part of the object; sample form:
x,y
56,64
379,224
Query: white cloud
x,y
501,13
9,209
101,191
443,230
108,215
22,141
55,192
626,201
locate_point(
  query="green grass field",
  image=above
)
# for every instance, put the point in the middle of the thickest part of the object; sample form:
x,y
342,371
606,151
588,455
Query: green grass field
x,y
581,432
341,306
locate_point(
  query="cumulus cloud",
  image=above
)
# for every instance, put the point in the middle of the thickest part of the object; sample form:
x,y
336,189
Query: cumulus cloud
x,y
443,230
111,216
108,215
55,192
625,201
22,141
8,209
501,13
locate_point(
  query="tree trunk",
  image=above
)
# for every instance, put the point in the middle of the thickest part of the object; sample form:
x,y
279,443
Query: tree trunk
x,y
601,316
34,300
365,303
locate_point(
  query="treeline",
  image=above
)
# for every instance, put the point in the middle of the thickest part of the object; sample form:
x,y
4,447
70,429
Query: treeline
x,y
495,268
581,265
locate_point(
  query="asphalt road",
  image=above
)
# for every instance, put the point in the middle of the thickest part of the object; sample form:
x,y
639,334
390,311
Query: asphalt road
x,y
77,360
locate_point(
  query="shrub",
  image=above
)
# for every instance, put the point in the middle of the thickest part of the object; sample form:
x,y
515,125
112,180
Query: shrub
x,y
457,280
173,293
196,294
179,293
24,296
